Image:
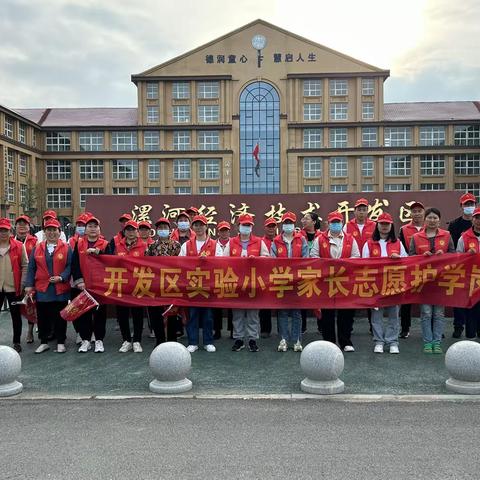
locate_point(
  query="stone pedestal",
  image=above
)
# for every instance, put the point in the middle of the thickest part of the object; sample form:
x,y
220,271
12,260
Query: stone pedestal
x,y
462,361
170,363
322,362
10,368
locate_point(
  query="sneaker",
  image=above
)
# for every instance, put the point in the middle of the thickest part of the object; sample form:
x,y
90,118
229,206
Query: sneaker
x,y
78,340
427,348
282,346
210,348
99,348
126,347
394,349
252,346
137,348
84,346
457,332
43,347
348,348
192,348
61,348
17,347
297,347
238,345
378,348
404,334
436,347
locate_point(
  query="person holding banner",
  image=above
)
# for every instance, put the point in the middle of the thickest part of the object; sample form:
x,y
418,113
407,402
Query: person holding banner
x,y
384,243
361,227
48,278
183,232
13,270
123,219
79,230
48,215
289,244
145,231
201,245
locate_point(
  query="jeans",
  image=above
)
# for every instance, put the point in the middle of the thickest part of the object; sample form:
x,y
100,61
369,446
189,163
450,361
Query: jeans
x,y
206,316
432,320
388,335
293,335
246,324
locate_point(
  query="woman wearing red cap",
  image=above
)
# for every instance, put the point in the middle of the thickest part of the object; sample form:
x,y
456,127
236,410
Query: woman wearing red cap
x,y
384,243
13,270
145,232
48,215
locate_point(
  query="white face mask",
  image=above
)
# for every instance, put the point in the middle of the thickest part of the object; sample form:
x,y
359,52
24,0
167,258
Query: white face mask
x,y
81,230
245,229
183,225
163,233
468,210
288,228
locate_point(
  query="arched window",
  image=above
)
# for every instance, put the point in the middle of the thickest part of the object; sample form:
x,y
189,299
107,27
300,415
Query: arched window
x,y
260,122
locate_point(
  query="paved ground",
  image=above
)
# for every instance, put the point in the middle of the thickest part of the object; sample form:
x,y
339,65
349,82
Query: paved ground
x,y
219,439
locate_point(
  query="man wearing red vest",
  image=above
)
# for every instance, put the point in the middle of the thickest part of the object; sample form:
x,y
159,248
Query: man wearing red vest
x,y
145,232
123,219
48,277
361,227
80,223
13,270
183,232
48,215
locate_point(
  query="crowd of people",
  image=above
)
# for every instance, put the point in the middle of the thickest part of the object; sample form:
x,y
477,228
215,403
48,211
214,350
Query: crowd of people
x,y
50,269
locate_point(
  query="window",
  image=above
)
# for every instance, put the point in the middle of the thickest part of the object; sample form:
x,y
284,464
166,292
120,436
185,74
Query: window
x,y
467,135
468,164
212,190
312,167
367,187
183,190
369,137
338,167
312,88
338,188
181,113
368,86
368,111
8,127
367,166
431,165
152,90
152,115
208,113
151,140
125,191
432,186
469,188
338,137
22,164
125,169
59,198
209,169
397,187
398,137
181,140
208,140
90,141
124,141
21,132
208,90
312,138
10,156
397,166
153,169
312,188
338,88
181,90
154,190
23,194
58,141
91,169
89,191
430,136
59,170
338,111
11,192
312,111
182,169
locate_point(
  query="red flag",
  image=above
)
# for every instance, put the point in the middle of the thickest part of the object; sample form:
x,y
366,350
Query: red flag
x,y
256,153
78,306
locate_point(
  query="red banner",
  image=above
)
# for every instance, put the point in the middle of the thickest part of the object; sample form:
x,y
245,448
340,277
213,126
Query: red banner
x,y
450,280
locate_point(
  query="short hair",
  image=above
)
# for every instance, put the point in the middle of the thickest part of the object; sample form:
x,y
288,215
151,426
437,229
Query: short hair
x,y
434,210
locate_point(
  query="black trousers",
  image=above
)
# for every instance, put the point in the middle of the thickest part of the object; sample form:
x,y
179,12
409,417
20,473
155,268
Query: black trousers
x,y
344,326
14,313
472,321
94,321
48,318
265,321
157,324
217,319
123,317
406,317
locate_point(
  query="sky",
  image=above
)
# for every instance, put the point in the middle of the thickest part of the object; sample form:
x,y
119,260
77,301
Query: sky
x,y
80,53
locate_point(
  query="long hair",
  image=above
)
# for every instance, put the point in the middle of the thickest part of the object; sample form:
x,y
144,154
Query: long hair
x,y
391,235
316,220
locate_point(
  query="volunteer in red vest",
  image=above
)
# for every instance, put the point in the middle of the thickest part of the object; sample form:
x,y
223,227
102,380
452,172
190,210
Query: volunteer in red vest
x,y
130,246
94,321
384,243
80,223
289,244
361,227
183,232
200,245
335,243
432,240
48,215
270,231
48,278
13,271
469,242
417,212
145,232
123,219
246,322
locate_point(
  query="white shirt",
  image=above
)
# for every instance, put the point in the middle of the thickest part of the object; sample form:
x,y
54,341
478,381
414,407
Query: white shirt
x,y
336,246
461,245
41,236
263,251
183,250
383,249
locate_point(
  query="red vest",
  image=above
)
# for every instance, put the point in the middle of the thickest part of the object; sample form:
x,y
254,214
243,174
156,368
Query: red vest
x,y
324,246
138,250
30,242
267,242
409,231
281,245
470,240
72,241
175,235
117,239
15,254
207,250
376,251
253,248
42,275
82,246
422,242
367,232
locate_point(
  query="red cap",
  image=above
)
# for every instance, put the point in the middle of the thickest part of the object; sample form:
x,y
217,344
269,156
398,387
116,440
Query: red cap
x,y
417,204
385,218
125,216
245,219
270,221
82,218
467,197
200,218
5,223
476,212
361,201
49,213
222,225
193,209
25,218
131,223
336,215
289,216
162,220
52,223
184,213
144,223
92,218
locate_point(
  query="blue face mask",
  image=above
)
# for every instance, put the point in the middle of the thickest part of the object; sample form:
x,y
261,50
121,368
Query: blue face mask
x,y
468,210
245,229
81,230
163,233
288,228
335,227
183,225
